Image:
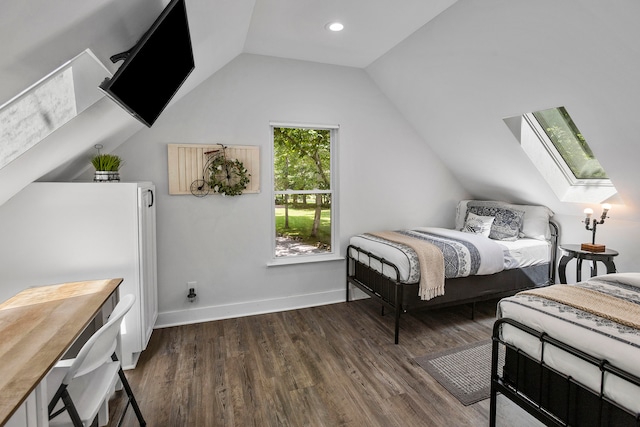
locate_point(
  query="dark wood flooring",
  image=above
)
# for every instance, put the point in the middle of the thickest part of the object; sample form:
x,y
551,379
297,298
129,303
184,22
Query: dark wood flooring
x,y
334,365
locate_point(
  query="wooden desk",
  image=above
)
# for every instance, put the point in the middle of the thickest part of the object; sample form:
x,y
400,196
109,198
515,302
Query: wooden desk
x,y
37,326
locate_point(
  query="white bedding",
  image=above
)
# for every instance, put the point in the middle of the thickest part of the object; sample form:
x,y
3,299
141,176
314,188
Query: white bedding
x,y
525,253
601,338
495,255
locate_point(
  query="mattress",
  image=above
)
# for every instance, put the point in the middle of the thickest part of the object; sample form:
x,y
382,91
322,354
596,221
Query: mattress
x,y
601,338
496,255
525,253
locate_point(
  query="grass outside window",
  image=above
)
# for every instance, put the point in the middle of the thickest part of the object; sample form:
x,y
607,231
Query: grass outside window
x,y
301,224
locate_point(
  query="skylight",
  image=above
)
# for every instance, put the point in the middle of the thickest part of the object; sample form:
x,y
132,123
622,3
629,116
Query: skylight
x,y
35,115
571,145
47,105
561,154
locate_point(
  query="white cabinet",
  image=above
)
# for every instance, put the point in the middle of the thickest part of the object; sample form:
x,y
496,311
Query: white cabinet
x,y
148,259
62,232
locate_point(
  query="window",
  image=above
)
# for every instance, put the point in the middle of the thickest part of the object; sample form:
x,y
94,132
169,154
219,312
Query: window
x,y
304,191
35,115
560,152
48,104
570,144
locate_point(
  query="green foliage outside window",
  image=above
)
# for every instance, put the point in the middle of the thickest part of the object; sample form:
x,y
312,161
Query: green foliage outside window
x,y
570,143
302,162
302,159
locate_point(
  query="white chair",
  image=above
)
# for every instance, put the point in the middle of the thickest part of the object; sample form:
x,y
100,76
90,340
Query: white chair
x,y
79,389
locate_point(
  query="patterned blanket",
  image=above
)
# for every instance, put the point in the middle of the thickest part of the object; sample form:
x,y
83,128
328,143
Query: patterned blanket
x,y
600,302
430,259
461,257
608,305
609,336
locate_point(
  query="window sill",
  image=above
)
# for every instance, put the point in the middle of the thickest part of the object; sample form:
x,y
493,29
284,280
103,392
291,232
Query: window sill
x,y
304,259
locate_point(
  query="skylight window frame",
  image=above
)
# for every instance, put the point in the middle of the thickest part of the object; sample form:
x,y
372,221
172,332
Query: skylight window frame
x,y
557,158
85,69
539,148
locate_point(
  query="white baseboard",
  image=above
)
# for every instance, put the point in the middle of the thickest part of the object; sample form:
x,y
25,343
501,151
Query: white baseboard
x,y
249,308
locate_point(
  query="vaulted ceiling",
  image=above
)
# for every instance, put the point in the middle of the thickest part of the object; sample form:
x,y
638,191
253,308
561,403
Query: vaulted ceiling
x,y
454,69
40,35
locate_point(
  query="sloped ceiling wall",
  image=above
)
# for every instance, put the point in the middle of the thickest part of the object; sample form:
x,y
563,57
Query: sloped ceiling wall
x,y
45,34
457,77
40,35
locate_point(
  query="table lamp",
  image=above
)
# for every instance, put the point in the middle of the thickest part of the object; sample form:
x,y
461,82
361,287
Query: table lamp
x,y
591,225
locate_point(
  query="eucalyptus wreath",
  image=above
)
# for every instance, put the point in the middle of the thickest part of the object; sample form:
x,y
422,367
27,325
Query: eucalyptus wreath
x,y
228,177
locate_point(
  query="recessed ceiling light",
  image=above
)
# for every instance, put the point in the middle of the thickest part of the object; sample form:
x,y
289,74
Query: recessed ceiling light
x,y
335,26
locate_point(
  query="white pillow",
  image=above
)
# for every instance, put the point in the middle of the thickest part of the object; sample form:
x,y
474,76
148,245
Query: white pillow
x,y
536,221
477,224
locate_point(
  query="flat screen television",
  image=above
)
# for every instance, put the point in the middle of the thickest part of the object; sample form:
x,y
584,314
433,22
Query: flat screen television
x,y
155,68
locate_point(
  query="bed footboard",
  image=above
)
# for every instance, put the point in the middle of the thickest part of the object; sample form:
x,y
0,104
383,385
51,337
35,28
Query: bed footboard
x,y
549,395
386,290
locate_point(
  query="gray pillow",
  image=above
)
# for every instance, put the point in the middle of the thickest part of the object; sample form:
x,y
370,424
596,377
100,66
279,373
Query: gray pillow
x,y
507,224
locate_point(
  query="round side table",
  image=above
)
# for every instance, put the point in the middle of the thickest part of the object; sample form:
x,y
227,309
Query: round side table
x,y
573,251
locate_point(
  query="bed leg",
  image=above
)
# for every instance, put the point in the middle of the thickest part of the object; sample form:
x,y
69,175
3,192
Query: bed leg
x,y
397,332
493,407
493,394
398,307
348,264
473,311
382,310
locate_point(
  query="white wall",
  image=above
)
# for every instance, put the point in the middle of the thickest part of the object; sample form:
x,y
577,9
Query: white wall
x,y
389,178
459,76
440,94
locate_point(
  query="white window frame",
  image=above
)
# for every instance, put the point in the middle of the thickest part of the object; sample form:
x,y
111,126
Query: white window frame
x,y
334,254
544,155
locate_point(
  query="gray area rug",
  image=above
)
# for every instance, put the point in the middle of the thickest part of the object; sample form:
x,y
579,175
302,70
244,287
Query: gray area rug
x,y
464,371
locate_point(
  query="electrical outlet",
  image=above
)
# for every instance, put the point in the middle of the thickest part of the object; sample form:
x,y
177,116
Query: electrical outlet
x,y
192,291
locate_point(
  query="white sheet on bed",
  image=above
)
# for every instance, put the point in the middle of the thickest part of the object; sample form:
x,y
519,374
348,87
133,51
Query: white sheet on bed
x,y
496,255
601,338
525,253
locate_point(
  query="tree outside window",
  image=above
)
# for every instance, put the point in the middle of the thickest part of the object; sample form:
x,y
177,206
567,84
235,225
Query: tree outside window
x,y
302,191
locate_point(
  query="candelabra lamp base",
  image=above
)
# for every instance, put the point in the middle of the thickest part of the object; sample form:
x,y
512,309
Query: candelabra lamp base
x,y
591,247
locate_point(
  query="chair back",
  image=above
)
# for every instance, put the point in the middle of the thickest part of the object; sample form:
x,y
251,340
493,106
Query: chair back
x,y
99,348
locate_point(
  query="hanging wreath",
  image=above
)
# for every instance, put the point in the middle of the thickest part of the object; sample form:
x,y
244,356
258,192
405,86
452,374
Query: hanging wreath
x,y
228,177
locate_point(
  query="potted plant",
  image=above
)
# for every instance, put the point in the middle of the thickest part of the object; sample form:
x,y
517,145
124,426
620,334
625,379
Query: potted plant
x,y
107,167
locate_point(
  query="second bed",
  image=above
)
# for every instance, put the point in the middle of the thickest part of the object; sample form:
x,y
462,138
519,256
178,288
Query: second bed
x,y
390,268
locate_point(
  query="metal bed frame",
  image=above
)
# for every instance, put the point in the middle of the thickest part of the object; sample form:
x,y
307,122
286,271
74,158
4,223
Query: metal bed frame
x,y
402,297
549,395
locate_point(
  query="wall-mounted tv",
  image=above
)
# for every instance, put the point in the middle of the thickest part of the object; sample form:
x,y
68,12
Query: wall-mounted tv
x,y
155,68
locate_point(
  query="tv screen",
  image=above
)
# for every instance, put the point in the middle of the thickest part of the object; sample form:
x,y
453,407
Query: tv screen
x,y
155,68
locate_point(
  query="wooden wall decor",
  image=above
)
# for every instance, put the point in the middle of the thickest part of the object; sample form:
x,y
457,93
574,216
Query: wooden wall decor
x,y
186,163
